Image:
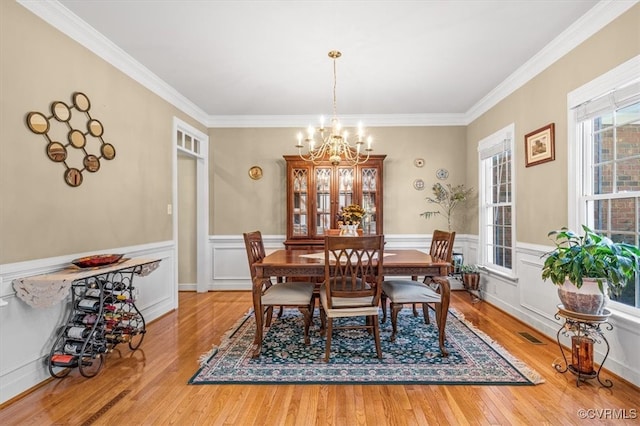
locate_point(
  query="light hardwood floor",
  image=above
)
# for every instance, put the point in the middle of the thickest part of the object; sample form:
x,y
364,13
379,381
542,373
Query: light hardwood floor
x,y
149,386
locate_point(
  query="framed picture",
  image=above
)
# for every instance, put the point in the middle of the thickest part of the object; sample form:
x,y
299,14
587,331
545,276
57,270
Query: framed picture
x,y
539,145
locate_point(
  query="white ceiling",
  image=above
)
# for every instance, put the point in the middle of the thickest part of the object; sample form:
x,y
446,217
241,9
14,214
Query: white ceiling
x,y
269,58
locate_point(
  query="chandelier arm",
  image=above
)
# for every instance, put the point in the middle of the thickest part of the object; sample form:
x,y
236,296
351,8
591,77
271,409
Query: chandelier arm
x,y
335,145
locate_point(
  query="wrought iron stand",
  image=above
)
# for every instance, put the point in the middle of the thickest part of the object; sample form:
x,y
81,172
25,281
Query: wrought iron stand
x,y
584,330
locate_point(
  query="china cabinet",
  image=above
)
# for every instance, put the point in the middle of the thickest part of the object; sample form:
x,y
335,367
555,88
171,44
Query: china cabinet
x,y
317,191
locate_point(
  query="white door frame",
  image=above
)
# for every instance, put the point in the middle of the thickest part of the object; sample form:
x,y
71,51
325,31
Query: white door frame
x,y
201,155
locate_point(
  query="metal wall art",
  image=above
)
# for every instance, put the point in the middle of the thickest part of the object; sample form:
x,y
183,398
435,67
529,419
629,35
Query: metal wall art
x,y
83,135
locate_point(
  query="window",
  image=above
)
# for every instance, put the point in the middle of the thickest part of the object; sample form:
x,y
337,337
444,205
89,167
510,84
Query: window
x,y
606,154
496,197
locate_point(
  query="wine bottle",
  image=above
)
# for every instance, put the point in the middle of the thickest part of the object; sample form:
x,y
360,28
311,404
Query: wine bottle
x,y
93,292
114,286
100,346
111,316
79,333
74,347
90,319
113,337
120,337
84,318
89,305
78,317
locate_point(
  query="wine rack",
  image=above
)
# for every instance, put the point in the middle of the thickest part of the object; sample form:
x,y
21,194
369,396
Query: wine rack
x,y
103,314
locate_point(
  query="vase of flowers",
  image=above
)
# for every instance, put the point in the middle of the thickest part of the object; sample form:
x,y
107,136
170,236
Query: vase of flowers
x,y
349,219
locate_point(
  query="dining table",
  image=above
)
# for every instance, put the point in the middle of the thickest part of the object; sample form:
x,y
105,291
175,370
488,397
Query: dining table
x,y
307,264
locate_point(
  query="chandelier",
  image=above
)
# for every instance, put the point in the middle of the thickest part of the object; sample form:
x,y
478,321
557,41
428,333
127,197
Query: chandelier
x,y
334,142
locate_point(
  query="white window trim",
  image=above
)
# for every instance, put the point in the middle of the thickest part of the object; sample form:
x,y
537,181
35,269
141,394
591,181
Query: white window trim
x,y
618,77
489,143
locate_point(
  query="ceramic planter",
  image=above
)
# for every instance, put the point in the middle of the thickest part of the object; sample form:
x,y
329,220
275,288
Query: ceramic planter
x,y
587,299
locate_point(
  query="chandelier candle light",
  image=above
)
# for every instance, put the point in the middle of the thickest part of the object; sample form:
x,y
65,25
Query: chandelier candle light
x,y
335,144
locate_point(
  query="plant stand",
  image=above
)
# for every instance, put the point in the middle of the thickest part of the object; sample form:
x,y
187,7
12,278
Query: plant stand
x,y
471,283
584,330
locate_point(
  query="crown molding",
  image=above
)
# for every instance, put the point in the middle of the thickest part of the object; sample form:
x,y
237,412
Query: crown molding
x,y
64,20
372,120
587,25
70,24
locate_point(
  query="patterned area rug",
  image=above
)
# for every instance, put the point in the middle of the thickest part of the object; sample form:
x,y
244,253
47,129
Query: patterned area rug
x,y
474,359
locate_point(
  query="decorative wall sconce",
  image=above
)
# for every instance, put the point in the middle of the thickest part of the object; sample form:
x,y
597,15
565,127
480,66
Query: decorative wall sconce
x,y
57,151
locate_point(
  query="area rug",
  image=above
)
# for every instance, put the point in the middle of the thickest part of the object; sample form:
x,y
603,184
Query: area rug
x,y
414,358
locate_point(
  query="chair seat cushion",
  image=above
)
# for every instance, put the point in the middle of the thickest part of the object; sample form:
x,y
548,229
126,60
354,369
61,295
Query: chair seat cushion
x,y
360,306
289,293
409,291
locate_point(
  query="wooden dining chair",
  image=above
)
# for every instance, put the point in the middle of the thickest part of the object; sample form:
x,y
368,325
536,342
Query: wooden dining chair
x,y
430,291
442,249
352,284
283,294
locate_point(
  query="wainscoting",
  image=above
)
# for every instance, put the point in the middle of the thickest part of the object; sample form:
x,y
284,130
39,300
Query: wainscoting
x,y
27,333
526,297
230,270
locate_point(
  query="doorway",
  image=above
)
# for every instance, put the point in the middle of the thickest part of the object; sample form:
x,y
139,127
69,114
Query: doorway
x,y
191,179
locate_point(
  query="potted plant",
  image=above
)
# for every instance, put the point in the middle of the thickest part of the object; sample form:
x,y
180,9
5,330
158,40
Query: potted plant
x,y
470,277
447,197
587,267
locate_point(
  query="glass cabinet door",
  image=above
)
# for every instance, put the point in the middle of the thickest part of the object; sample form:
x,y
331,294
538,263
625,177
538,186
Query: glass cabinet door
x,y
369,199
323,199
346,184
300,202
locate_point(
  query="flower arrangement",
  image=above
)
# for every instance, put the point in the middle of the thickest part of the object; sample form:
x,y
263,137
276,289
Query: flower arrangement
x,y
448,197
351,214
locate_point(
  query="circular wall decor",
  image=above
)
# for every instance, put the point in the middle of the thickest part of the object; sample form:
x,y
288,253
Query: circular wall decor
x,y
442,174
255,172
418,184
37,122
58,151
418,162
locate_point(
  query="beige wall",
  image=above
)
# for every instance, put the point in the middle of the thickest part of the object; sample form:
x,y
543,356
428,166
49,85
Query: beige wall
x,y
541,190
125,202
241,204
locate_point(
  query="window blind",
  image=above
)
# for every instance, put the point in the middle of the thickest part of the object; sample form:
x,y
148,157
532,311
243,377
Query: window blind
x,y
496,147
618,98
